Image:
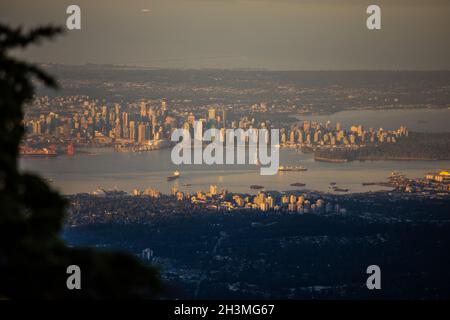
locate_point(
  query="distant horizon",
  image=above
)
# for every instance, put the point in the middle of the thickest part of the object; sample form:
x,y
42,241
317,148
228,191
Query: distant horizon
x,y
274,35
131,66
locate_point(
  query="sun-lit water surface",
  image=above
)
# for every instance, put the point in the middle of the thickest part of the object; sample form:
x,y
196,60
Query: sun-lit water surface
x,y
127,171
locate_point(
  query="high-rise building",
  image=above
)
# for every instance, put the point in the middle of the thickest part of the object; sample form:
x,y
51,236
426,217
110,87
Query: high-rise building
x,y
306,125
224,117
153,118
213,189
125,119
191,119
118,130
132,130
283,137
164,106
292,198
104,112
264,206
117,108
143,109
211,113
292,136
141,133
269,201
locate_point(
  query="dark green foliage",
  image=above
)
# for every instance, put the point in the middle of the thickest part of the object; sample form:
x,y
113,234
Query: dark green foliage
x,y
33,259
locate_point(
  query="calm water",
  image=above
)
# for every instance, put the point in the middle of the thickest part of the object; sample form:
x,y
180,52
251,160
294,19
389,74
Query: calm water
x,y
126,171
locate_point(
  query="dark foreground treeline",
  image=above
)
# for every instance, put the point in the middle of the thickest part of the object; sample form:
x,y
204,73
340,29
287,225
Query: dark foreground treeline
x,y
417,146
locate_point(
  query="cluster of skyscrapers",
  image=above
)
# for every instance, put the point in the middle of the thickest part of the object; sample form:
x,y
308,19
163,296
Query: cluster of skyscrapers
x,y
144,123
263,201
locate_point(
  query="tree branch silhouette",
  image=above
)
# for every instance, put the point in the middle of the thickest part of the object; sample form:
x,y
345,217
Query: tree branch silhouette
x,y
33,258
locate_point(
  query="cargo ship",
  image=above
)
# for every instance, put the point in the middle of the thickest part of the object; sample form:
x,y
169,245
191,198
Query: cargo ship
x,y
298,184
294,168
43,152
256,186
338,189
175,175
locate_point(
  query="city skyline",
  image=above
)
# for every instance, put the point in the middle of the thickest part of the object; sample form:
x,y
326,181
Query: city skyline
x,y
148,156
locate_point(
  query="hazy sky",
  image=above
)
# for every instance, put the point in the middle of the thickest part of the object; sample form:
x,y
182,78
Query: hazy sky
x,y
269,34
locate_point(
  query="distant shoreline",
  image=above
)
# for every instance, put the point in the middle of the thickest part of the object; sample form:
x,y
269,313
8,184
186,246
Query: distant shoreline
x,y
331,160
381,108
